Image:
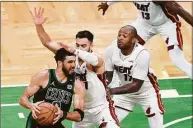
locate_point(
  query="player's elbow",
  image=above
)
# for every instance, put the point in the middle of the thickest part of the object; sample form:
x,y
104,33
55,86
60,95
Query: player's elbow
x,y
21,100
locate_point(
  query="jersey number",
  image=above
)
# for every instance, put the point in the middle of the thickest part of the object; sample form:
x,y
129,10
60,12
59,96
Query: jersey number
x,y
127,77
145,15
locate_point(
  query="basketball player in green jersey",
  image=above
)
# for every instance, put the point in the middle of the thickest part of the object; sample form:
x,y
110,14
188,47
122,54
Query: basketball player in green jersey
x,y
59,87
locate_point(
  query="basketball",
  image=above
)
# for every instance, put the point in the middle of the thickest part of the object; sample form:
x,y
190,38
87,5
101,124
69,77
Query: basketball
x,y
47,113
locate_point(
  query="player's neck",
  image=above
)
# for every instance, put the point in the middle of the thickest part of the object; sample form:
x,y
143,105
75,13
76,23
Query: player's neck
x,y
60,75
129,50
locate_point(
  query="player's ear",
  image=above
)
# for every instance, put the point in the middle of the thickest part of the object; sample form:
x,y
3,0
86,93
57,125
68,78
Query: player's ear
x,y
59,63
91,46
133,40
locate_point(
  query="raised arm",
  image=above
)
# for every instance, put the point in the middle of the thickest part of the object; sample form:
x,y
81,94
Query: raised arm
x,y
39,19
78,102
174,7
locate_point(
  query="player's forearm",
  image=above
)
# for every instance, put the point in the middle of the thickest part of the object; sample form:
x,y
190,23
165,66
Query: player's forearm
x,y
186,16
128,88
87,57
24,101
176,8
43,36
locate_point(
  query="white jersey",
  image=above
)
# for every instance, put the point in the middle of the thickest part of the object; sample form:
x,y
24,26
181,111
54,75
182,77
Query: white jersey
x,y
152,13
135,65
95,91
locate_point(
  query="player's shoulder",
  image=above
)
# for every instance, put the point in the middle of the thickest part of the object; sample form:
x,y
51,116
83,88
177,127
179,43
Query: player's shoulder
x,y
41,75
139,47
141,50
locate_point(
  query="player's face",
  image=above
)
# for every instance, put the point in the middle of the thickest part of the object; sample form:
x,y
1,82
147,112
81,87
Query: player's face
x,y
83,44
124,38
69,65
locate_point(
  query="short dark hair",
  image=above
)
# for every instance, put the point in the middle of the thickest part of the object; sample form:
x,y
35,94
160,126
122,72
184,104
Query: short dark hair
x,y
133,30
61,54
85,34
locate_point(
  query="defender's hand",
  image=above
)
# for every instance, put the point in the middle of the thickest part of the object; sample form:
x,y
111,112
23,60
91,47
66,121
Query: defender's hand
x,y
38,16
104,6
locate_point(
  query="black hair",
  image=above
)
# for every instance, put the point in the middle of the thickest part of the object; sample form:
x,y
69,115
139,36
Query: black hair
x,y
61,54
132,29
85,34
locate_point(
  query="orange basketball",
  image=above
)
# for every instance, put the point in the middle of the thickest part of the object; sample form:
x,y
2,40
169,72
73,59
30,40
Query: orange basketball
x,y
47,113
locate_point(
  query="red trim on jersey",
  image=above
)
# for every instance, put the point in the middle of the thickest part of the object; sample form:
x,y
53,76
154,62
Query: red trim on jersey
x,y
153,80
151,115
123,108
175,19
141,41
179,37
172,17
108,97
103,125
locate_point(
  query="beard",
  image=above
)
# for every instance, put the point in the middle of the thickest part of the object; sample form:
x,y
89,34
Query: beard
x,y
65,71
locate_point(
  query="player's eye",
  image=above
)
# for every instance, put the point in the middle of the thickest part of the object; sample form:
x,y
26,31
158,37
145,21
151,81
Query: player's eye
x,y
84,45
77,45
125,36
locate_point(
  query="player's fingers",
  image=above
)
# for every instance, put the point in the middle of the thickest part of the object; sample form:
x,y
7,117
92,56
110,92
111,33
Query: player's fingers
x,y
37,109
56,119
35,11
31,13
42,12
34,115
99,5
99,9
103,12
57,106
39,11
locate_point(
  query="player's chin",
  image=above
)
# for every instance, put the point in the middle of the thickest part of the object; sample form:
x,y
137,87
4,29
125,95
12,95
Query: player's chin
x,y
120,46
71,71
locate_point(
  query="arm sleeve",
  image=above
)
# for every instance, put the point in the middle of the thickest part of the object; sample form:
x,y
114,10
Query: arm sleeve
x,y
142,65
108,58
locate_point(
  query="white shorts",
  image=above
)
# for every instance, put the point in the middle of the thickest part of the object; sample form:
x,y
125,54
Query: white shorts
x,y
149,99
95,117
169,31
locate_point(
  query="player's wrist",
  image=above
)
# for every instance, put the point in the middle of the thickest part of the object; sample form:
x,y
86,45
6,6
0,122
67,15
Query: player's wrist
x,y
63,115
30,105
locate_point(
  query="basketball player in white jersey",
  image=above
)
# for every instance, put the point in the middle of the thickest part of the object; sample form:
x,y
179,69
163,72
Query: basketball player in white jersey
x,y
139,85
160,17
97,109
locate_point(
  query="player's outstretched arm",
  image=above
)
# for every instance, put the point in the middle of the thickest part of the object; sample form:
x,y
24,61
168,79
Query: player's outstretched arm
x,y
39,19
78,102
89,58
174,7
30,90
